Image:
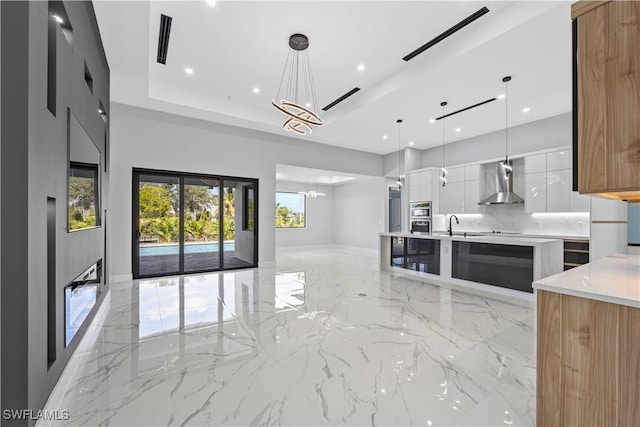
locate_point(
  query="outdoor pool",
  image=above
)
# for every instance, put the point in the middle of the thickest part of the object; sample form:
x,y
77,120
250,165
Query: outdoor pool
x,y
188,249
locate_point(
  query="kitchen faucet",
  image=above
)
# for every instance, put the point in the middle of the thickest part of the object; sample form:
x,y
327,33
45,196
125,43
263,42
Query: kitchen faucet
x,y
451,228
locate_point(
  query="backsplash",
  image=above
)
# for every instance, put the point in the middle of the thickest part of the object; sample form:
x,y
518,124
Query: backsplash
x,y
512,218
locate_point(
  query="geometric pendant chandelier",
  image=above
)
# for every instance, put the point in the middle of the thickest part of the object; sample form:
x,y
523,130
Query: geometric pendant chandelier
x,y
299,96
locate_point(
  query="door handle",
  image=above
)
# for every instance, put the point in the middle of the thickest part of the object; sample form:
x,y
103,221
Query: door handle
x,y
137,234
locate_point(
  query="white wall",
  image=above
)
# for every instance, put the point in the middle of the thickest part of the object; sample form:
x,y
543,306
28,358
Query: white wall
x,y
359,213
319,217
143,138
542,134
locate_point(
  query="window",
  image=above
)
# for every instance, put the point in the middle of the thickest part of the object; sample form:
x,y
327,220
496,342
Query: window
x,y
248,202
83,196
290,210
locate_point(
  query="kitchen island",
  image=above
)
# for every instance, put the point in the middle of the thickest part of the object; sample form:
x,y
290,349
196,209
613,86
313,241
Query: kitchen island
x,y
588,361
497,263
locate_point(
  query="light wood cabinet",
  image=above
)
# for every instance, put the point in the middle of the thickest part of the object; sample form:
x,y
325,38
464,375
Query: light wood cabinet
x,y
608,96
587,363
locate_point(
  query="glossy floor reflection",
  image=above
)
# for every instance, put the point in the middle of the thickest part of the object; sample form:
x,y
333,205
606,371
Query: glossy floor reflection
x,y
324,338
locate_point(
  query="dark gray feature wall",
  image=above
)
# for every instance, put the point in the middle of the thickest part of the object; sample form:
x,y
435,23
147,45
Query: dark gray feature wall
x,y
34,158
540,135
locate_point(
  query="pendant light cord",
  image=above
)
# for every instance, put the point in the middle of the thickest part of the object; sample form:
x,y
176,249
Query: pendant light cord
x,y
443,169
506,122
399,121
443,119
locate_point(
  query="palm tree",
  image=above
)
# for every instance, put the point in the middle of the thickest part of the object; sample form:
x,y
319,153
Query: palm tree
x,y
228,204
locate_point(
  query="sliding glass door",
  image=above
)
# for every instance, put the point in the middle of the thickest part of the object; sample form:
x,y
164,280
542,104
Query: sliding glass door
x,y
157,232
186,223
201,224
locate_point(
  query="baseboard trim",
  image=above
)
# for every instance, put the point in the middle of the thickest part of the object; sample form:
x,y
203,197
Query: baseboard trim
x,y
120,278
332,246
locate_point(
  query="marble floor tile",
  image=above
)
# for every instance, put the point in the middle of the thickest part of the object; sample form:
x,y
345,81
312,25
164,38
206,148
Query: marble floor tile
x,y
322,338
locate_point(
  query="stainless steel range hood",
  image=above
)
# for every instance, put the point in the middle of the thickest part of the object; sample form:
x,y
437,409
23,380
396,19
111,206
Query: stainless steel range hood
x,y
504,194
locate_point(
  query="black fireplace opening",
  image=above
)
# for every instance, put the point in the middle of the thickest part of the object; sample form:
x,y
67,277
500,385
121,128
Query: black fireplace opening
x,y
80,297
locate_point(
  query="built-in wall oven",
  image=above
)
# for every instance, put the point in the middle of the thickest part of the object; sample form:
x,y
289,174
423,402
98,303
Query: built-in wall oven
x,y
420,217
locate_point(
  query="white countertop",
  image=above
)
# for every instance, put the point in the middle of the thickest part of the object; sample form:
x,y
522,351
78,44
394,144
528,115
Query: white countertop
x,y
541,236
614,279
501,239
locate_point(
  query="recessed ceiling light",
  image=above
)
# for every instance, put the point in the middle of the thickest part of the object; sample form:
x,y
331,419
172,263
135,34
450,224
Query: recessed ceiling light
x,y
458,129
100,111
501,96
58,19
411,142
308,105
256,90
361,67
384,137
432,121
188,71
211,2
526,109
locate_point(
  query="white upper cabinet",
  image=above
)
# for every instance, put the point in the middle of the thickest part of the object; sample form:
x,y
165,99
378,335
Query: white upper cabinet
x,y
559,160
452,198
471,196
548,183
535,196
422,177
462,192
455,174
558,190
420,186
534,164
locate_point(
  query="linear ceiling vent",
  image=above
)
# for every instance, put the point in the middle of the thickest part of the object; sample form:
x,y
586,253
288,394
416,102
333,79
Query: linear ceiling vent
x,y
342,98
163,38
467,108
460,25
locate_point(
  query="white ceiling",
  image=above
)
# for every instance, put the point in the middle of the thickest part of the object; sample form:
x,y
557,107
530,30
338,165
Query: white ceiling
x,y
316,176
238,45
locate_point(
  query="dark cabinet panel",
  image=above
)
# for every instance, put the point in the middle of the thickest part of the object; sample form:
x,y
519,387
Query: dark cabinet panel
x,y
576,253
416,254
507,266
423,255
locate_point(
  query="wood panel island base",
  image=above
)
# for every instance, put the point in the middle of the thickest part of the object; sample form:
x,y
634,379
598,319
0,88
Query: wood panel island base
x,y
588,345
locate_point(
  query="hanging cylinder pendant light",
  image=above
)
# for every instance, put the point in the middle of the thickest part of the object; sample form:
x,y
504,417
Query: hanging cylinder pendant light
x,y
443,170
400,180
299,98
506,164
